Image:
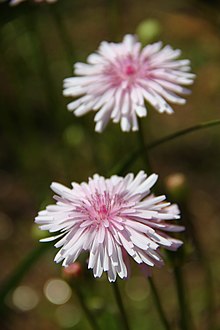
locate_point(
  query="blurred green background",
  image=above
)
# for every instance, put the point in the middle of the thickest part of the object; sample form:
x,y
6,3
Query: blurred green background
x,y
41,142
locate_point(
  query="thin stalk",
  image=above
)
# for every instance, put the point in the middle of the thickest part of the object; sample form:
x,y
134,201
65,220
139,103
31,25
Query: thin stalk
x,y
89,315
183,132
155,294
120,305
210,297
181,293
158,304
132,157
143,147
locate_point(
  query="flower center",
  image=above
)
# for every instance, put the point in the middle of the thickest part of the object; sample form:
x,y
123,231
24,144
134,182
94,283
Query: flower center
x,y
100,213
130,70
125,70
101,208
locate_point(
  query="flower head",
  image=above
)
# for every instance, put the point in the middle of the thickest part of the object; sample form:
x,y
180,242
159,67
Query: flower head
x,y
111,218
120,77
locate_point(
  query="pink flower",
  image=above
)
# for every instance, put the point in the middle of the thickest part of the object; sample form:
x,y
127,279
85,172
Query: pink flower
x,y
111,218
119,78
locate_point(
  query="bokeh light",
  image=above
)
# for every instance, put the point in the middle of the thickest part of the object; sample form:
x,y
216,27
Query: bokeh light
x,y
136,288
25,298
67,316
57,291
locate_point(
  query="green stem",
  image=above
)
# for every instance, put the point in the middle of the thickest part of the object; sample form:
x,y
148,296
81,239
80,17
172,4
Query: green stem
x,y
20,271
142,143
90,317
183,132
132,157
210,299
181,293
158,304
155,294
120,306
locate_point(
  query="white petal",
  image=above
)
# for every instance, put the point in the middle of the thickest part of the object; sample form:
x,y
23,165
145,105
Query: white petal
x,y
125,124
51,238
141,111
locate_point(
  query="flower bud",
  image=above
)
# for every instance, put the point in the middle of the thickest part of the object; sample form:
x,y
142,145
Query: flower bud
x,y
148,30
72,271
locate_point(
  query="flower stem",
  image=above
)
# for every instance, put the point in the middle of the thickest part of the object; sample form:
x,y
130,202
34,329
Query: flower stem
x,y
210,297
142,143
89,315
132,157
181,293
158,304
155,294
120,305
184,132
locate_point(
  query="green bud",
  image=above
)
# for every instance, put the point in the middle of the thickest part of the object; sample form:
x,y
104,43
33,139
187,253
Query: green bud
x,y
148,30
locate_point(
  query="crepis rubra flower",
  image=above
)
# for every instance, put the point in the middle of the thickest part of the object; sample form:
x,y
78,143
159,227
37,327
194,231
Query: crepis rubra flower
x,y
113,219
120,78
